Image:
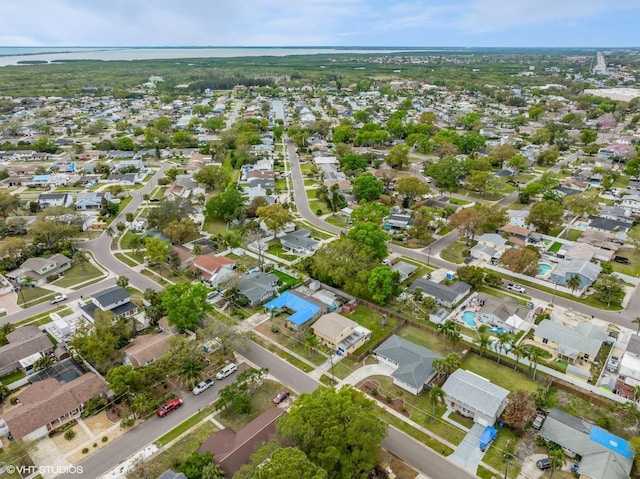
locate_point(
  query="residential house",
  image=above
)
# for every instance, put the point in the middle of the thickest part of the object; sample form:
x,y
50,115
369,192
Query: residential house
x,y
299,242
490,247
630,362
39,269
339,333
146,348
585,270
600,239
444,295
602,455
46,200
115,300
258,287
404,269
213,269
413,363
304,309
516,235
505,313
581,343
126,179
25,346
171,474
474,396
397,222
618,226
47,404
631,203
232,449
92,200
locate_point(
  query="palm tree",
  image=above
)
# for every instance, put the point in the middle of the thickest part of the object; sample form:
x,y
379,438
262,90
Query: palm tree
x,y
454,336
436,396
197,249
445,329
6,328
191,370
556,458
637,321
110,231
534,355
81,260
574,283
483,343
503,339
142,405
122,281
136,242
518,351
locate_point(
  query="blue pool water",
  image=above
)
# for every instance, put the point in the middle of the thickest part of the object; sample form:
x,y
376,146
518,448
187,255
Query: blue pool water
x,y
544,268
469,317
498,330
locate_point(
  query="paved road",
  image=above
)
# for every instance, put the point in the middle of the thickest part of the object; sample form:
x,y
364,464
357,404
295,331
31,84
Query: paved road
x,y
622,318
101,249
138,438
424,459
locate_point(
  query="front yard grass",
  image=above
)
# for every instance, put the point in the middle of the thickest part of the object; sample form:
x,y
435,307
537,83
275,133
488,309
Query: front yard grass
x,y
285,279
573,235
633,268
188,424
455,252
289,339
278,250
76,275
126,260
32,296
261,400
506,438
11,378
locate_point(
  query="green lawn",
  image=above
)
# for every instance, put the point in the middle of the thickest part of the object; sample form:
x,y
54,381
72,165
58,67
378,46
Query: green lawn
x,y
34,296
459,202
454,252
125,259
430,341
261,400
277,250
573,235
494,455
11,378
555,247
285,279
500,374
76,275
633,268
214,225
371,320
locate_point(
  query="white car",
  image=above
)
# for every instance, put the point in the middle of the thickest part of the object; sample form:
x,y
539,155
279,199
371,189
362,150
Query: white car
x,y
516,288
202,386
58,299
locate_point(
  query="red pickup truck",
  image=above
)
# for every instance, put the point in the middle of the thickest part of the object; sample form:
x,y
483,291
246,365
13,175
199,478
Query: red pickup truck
x,y
168,407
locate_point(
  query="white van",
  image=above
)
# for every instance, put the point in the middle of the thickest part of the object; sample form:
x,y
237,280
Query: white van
x,y
226,371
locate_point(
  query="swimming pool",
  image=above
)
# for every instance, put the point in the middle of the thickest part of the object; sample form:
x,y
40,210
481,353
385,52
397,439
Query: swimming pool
x,y
469,317
544,268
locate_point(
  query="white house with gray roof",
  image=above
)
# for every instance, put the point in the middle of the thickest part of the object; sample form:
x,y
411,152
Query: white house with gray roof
x,y
258,287
474,396
404,269
444,295
630,362
413,363
580,343
299,242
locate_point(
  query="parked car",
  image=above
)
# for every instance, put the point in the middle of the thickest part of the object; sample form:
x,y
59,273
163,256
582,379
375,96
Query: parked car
x,y
515,287
613,363
226,371
537,422
281,396
468,259
543,463
621,259
202,386
538,310
168,407
58,299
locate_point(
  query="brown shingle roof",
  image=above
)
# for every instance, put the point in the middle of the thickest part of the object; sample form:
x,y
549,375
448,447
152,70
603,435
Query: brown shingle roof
x,y
45,401
147,347
23,342
231,450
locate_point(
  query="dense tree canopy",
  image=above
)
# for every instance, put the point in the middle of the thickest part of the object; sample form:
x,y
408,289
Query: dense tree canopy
x,y
367,187
186,304
371,235
339,431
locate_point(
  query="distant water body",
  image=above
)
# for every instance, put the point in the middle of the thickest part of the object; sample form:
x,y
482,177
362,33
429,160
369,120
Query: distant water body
x,y
14,55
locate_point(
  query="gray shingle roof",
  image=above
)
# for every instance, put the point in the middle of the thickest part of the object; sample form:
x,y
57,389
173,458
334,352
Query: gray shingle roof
x,y
414,361
441,291
475,391
111,295
585,340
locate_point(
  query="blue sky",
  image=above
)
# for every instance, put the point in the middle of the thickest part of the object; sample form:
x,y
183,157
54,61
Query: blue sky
x,y
472,23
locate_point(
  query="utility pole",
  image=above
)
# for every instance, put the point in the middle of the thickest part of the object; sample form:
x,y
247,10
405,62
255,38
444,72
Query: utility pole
x,y
507,455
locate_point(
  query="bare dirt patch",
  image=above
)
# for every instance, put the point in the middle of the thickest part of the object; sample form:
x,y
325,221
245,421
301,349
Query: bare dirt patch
x,y
64,445
98,423
371,388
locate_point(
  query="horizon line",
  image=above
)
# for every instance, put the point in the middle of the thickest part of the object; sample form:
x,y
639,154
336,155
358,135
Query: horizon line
x,y
394,47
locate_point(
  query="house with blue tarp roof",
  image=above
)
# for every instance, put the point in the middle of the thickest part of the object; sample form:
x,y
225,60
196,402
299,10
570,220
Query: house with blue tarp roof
x,y
304,309
602,455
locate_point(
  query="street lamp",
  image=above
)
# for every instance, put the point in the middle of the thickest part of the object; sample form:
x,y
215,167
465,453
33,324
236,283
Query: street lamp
x,y
333,380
